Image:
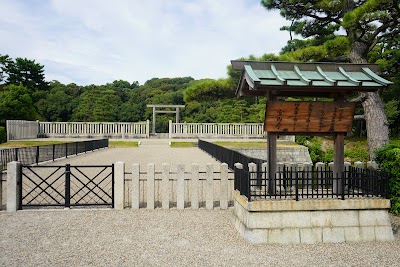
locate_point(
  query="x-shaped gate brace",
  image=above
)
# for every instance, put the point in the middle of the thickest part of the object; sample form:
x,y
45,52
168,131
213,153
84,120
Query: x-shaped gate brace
x,y
42,184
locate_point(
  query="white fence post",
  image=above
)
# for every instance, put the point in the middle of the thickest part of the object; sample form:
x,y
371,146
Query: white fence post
x,y
135,186
223,194
180,187
1,187
210,187
13,186
307,167
148,128
372,165
195,186
253,175
165,186
359,165
321,168
119,189
150,185
170,129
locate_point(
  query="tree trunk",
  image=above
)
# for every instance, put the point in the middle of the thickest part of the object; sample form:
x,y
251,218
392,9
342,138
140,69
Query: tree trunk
x,y
376,122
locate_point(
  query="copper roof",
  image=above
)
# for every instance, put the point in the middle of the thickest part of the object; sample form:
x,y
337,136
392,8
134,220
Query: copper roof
x,y
306,79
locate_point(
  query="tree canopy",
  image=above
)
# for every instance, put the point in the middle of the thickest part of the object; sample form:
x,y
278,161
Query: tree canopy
x,y
346,31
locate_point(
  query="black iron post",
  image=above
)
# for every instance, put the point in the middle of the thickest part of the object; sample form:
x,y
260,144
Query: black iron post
x,y
37,155
296,185
112,187
67,186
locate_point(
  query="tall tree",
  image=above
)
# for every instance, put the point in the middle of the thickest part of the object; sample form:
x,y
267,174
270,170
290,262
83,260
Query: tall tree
x,y
23,71
16,104
365,23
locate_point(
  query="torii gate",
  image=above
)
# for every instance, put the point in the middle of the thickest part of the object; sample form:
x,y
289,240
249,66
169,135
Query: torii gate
x,y
326,80
168,110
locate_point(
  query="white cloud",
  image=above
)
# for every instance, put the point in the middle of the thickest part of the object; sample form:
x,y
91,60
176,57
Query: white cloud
x,y
98,41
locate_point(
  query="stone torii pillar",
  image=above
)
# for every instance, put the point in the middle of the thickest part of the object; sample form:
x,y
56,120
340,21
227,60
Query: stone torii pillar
x,y
167,109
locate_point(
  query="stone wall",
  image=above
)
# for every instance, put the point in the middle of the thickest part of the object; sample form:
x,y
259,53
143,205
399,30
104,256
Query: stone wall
x,y
312,221
291,154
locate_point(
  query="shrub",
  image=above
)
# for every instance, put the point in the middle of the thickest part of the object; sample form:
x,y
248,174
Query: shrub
x,y
3,135
314,148
388,159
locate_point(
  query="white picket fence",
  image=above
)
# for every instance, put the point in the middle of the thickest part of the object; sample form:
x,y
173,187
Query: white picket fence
x,y
95,129
20,129
207,130
220,130
29,129
167,189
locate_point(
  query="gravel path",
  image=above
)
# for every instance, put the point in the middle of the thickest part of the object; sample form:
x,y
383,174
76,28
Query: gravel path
x,y
150,151
161,237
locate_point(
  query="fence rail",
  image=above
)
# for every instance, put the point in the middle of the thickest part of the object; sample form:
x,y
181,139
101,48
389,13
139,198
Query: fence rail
x,y
20,129
228,156
37,154
305,182
196,130
95,129
184,187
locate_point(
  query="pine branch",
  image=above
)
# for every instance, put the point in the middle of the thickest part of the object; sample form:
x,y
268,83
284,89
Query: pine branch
x,y
360,98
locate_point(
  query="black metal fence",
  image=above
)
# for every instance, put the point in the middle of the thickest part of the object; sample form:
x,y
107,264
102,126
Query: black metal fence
x,y
228,156
37,154
291,183
67,186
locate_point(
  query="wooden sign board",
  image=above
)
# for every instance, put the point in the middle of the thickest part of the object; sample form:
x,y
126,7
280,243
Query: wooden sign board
x,y
309,117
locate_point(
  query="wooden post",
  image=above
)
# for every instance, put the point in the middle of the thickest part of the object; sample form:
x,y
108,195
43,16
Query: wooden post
x,y
154,121
338,160
271,160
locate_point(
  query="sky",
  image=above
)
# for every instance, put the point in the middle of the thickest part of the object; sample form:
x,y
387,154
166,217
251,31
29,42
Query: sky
x,y
99,41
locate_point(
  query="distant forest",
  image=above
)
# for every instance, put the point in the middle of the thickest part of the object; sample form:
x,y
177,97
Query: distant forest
x,y
25,94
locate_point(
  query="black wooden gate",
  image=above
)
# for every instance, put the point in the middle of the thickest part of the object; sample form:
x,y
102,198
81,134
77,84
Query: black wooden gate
x,y
66,186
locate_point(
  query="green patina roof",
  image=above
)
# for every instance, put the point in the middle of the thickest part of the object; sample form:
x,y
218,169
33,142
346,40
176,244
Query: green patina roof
x,y
306,79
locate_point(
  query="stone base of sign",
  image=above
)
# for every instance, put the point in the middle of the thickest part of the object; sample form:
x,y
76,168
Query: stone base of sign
x,y
312,221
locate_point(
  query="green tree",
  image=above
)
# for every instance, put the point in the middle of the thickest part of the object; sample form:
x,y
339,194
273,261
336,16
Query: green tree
x,y
57,105
97,103
23,71
365,23
209,89
4,62
16,104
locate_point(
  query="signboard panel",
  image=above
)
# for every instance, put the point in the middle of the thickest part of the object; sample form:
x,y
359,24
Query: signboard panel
x,y
309,117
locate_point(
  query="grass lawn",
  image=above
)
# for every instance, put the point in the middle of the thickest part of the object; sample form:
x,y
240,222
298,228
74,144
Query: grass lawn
x,y
123,144
183,144
22,143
